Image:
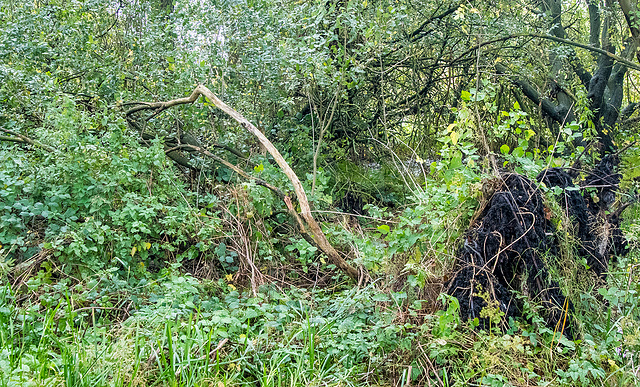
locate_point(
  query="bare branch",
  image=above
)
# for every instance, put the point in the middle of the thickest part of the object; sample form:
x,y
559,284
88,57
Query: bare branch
x,y
548,107
615,57
12,139
235,168
630,10
24,139
420,32
315,231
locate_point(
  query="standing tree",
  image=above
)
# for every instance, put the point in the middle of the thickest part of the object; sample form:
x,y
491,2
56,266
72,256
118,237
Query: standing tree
x,y
600,75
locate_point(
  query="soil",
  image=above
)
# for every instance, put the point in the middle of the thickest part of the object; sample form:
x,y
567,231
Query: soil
x,y
505,252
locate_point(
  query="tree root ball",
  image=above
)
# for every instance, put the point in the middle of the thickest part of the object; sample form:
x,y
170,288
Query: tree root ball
x,y
505,251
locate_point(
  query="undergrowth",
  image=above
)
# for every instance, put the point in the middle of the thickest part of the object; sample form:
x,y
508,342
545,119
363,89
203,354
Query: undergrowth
x,y
117,273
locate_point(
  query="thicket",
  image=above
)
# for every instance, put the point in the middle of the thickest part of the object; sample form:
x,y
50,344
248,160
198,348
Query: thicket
x,y
472,172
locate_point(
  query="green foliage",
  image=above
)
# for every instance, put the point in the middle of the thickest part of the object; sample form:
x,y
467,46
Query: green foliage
x,y
100,198
120,268
305,251
176,336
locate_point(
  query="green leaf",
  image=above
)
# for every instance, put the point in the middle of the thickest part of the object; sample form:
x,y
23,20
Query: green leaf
x,y
383,228
504,149
456,161
465,95
221,250
518,152
380,297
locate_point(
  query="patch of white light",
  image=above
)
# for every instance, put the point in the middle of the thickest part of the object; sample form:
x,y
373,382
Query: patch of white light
x,y
198,35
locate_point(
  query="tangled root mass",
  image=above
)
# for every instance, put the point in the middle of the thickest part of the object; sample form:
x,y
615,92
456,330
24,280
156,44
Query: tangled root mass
x,y
503,251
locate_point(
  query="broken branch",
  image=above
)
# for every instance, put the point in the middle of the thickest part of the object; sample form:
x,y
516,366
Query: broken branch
x,y
315,231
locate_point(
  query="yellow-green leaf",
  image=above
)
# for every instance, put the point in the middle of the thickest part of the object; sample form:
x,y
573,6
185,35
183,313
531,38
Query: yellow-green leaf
x,y
383,228
454,137
133,251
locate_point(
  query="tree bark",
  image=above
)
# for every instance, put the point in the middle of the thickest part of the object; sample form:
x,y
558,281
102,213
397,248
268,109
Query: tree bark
x,y
630,10
19,138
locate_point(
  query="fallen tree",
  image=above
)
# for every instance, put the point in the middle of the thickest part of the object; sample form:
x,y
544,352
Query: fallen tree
x,y
306,223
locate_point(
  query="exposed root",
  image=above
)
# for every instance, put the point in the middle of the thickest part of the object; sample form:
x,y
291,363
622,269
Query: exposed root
x,y
504,250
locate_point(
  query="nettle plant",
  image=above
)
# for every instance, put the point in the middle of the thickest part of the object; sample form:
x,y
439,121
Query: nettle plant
x,y
98,197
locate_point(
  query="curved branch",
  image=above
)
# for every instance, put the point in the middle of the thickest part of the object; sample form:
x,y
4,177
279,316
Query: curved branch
x,y
315,231
615,57
17,137
590,48
420,32
286,199
235,168
13,139
548,107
